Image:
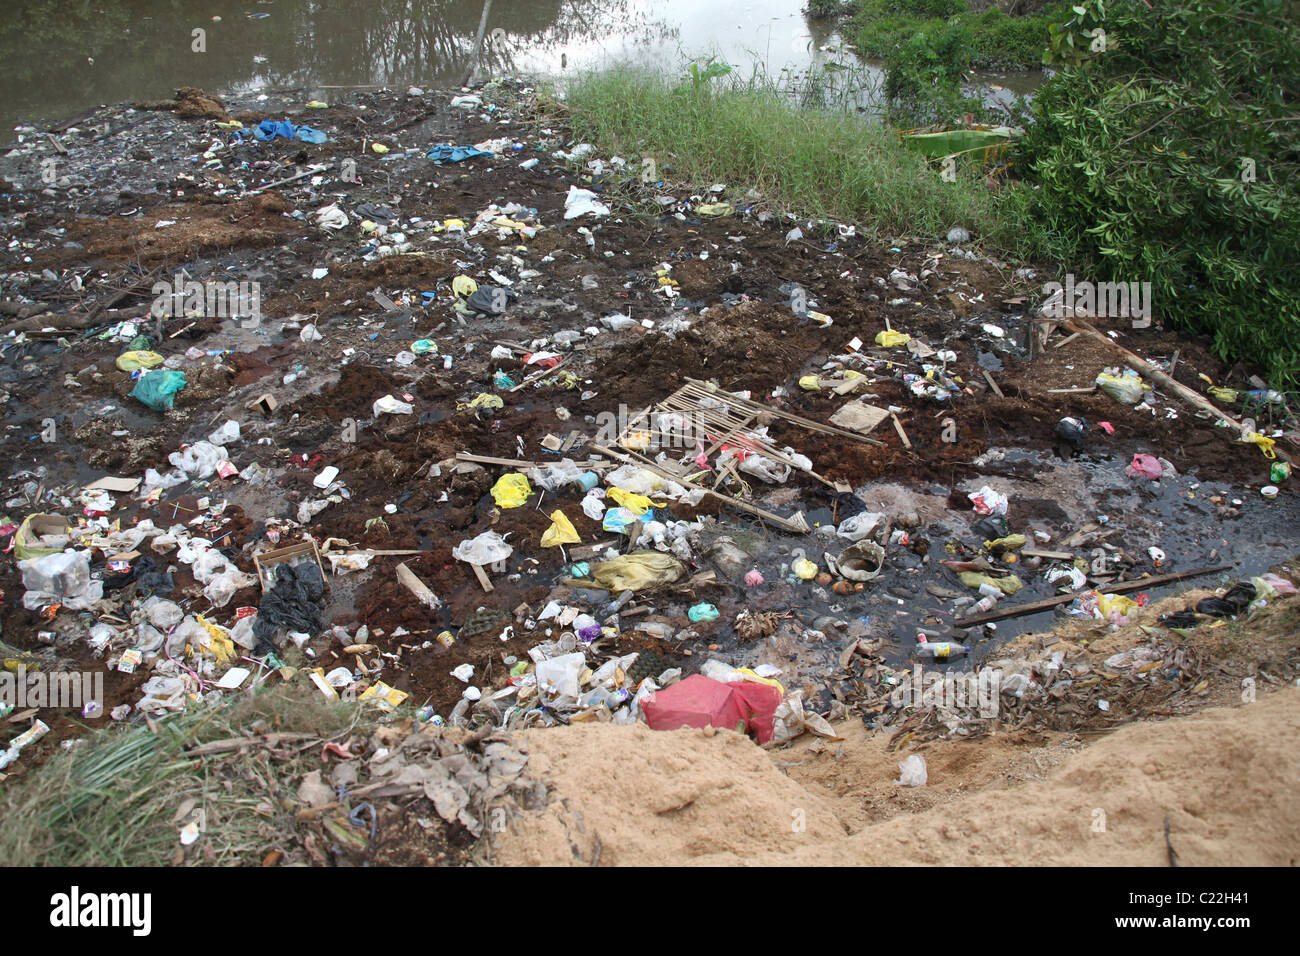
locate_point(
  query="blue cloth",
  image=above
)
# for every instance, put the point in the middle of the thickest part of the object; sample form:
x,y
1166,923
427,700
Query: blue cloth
x,y
270,129
447,153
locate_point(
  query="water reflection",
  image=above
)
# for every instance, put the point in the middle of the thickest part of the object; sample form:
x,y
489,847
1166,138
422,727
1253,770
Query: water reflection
x,y
64,57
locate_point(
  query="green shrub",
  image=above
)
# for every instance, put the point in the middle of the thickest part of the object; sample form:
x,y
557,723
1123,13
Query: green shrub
x,y
1141,154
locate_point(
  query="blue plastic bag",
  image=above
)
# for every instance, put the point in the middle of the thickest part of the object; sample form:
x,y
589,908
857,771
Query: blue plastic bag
x,y
270,129
447,153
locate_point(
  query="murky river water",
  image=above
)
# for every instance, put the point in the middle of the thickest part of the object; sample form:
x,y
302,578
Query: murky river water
x,y
64,57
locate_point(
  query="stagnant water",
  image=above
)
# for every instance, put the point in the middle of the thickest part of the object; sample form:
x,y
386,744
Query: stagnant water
x,y
65,57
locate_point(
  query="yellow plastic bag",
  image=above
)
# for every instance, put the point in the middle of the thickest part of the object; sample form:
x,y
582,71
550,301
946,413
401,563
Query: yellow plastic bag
x,y
1010,543
511,490
560,532
1264,442
637,571
889,338
1007,585
463,286
753,678
130,361
219,642
637,504
483,400
810,383
27,541
1114,603
716,209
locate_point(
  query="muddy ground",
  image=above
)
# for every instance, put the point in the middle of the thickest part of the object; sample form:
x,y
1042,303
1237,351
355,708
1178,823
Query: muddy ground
x,y
149,192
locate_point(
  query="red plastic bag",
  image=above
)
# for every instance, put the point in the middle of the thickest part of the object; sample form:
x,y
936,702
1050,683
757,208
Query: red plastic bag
x,y
1147,466
700,701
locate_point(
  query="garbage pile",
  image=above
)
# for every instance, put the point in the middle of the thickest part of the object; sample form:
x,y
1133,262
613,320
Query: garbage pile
x,y
390,398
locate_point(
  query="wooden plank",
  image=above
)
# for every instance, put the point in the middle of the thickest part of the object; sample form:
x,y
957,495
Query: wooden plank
x,y
1123,587
992,384
417,587
1140,364
798,524
898,427
1049,555
483,579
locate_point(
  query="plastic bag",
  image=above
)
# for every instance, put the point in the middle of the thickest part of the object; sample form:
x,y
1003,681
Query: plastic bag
x,y
560,532
163,613
1009,584
158,389
28,541
61,578
637,504
552,477
593,505
986,501
911,772
226,433
559,676
488,548
130,361
198,460
1147,466
392,406
582,202
1128,388
637,571
889,339
868,524
511,491
704,612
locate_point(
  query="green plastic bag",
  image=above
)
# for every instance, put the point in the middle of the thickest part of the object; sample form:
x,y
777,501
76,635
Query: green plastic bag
x,y
158,389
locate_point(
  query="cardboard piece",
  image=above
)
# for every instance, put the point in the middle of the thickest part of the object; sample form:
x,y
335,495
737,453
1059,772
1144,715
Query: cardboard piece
x,y
859,416
266,561
112,483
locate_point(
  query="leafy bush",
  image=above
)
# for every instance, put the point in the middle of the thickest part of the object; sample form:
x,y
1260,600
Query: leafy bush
x,y
923,77
1174,157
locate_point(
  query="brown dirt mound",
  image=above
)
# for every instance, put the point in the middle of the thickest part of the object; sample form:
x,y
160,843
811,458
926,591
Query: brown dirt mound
x,y
630,795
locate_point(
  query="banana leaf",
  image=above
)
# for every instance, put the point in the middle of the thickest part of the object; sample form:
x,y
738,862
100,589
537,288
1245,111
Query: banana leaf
x,y
948,142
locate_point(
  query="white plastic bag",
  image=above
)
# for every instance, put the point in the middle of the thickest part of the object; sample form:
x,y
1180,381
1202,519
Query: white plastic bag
x,y
912,772
392,406
198,460
582,202
488,548
868,524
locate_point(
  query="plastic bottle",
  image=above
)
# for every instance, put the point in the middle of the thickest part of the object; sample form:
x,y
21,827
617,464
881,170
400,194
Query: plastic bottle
x,y
941,650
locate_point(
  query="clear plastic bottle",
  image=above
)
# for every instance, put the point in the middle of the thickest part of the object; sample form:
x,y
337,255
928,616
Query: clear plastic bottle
x,y
941,650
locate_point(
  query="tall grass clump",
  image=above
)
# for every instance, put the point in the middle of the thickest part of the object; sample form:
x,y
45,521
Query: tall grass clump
x,y
828,164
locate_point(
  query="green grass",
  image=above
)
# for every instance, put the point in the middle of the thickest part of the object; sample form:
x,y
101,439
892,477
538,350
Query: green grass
x,y
827,164
112,799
